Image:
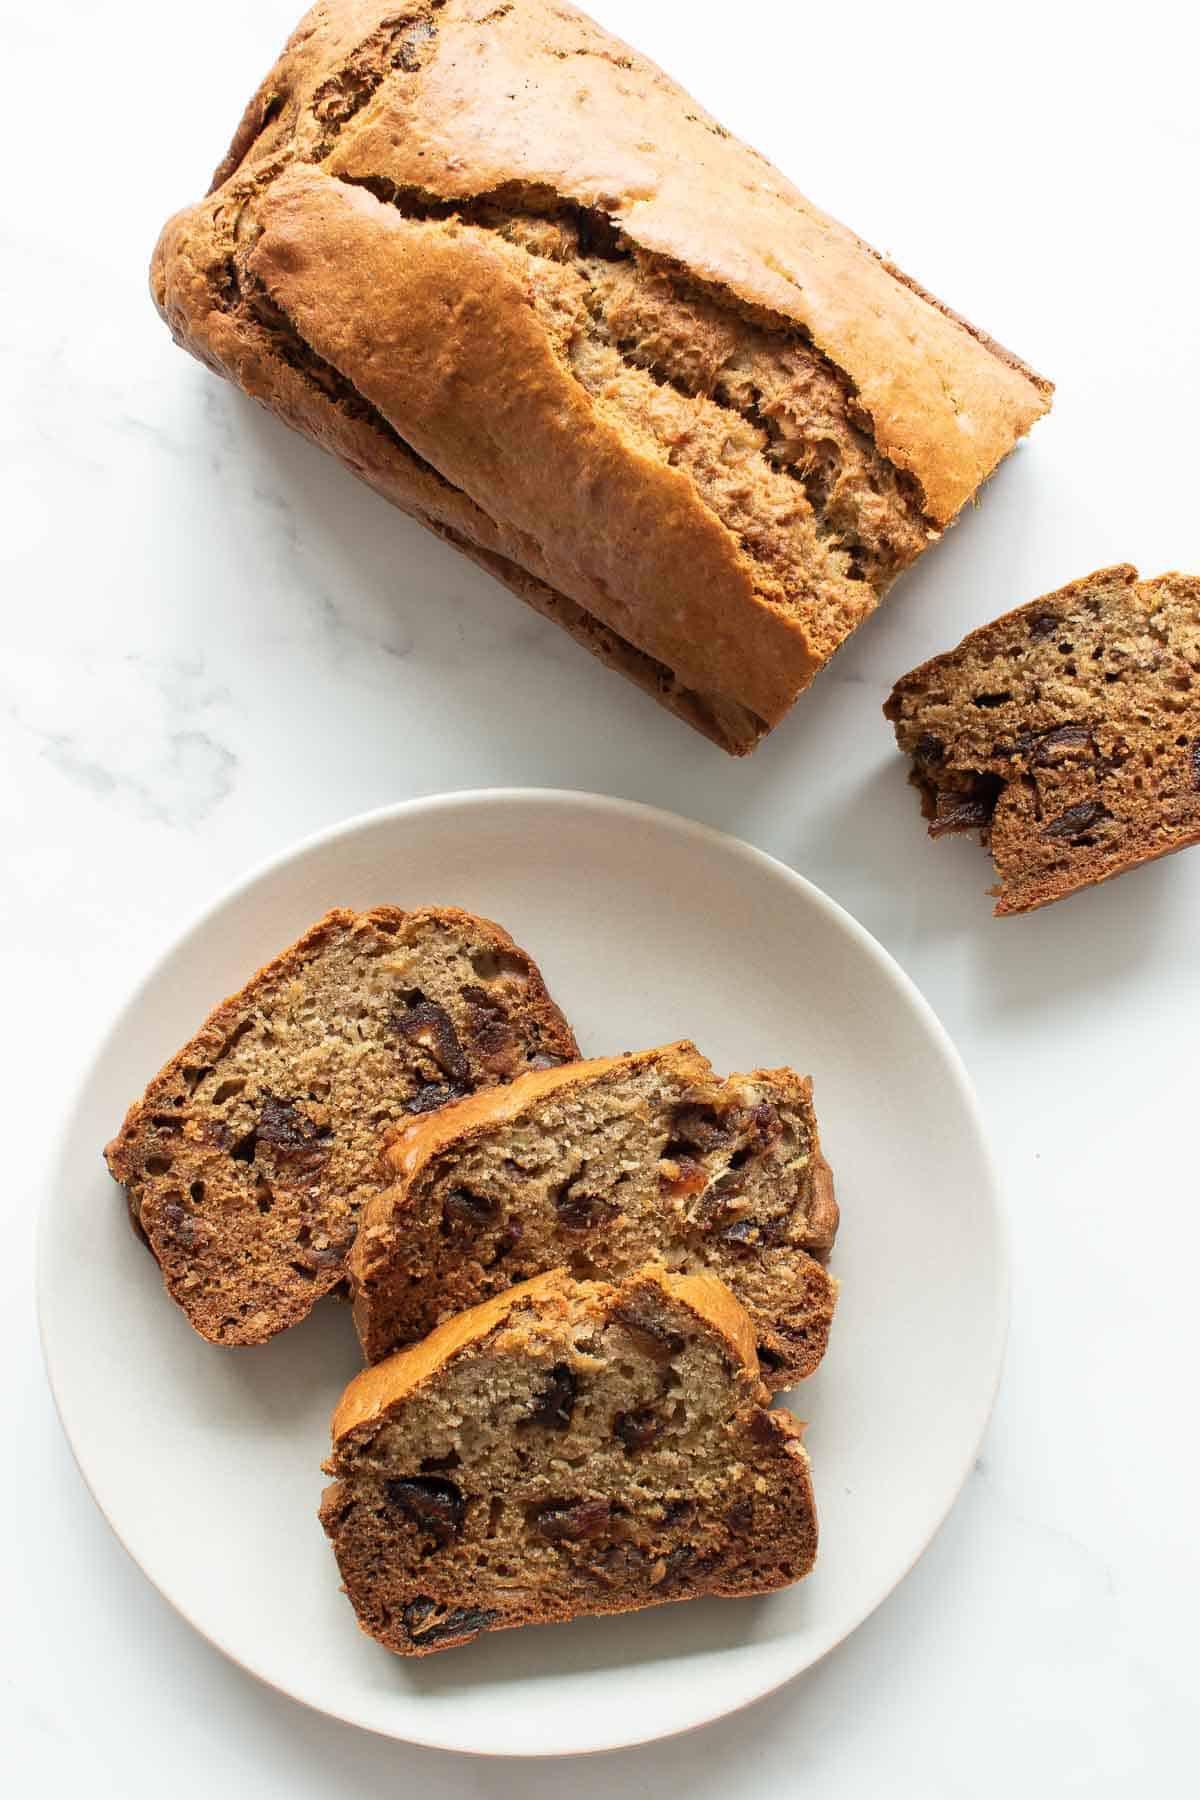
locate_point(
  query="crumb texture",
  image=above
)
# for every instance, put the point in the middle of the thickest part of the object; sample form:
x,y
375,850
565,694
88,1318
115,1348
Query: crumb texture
x,y
580,1449
755,423
251,1155
603,1168
1067,733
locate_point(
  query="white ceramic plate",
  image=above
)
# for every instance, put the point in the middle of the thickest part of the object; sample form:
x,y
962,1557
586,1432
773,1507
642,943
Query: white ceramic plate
x,y
648,928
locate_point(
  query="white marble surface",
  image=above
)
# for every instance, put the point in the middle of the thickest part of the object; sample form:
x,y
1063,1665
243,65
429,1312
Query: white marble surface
x,y
214,642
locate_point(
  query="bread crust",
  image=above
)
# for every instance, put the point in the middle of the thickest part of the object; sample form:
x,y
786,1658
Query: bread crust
x,y
631,558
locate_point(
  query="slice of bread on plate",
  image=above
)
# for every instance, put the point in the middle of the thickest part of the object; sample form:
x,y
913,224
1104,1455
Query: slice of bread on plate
x,y
565,1448
604,1166
1067,733
251,1154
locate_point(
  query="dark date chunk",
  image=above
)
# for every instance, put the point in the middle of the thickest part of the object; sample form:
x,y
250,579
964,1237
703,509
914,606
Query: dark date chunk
x,y
556,1402
560,1522
468,1210
429,1027
1196,764
1077,821
578,1210
929,751
740,1518
697,1128
433,1504
492,1033
637,1430
425,1622
434,1094
285,1130
1043,625
966,812
757,1128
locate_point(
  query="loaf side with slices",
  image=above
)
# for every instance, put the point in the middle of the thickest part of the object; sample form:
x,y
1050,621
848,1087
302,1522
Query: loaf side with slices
x,y
249,1157
605,1166
565,1449
1067,733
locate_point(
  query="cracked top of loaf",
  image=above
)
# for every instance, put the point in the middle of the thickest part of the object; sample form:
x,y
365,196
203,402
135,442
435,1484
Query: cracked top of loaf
x,y
518,279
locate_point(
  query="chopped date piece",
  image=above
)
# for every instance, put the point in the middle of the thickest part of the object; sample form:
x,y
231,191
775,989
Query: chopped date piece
x,y
426,1623
759,1127
430,1028
1043,625
741,1518
698,1128
472,1211
1077,820
1196,764
432,1095
930,750
285,1130
637,1430
578,1210
966,812
561,1522
556,1402
433,1504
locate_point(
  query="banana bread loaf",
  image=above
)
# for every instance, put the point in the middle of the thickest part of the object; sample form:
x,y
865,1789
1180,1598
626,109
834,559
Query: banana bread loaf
x,y
527,288
249,1157
566,1448
1067,733
606,1166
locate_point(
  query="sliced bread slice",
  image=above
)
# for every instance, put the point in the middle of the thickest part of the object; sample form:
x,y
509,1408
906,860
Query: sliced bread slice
x,y
604,1166
250,1156
565,1448
1067,733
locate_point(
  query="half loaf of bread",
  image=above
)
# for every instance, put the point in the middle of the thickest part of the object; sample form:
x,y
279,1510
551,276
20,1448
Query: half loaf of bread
x,y
519,281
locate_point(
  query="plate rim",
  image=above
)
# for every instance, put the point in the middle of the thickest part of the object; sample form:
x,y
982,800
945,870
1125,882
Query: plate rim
x,y
55,1172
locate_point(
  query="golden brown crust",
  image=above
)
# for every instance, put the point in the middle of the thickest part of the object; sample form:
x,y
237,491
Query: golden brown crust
x,y
744,1195
638,566
615,133
1067,732
387,1383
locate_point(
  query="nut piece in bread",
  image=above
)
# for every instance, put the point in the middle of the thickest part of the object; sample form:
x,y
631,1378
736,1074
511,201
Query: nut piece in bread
x,y
566,1448
251,1154
605,1166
